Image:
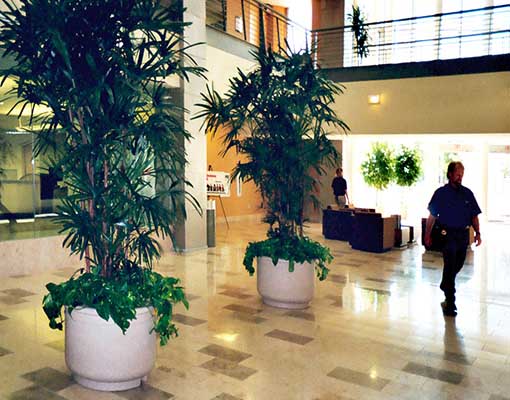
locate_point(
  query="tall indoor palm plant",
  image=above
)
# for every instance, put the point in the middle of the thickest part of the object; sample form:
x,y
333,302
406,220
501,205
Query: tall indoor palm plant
x,y
278,117
100,66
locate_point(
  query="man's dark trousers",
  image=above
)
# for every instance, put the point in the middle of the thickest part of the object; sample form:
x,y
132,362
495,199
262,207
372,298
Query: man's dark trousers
x,y
454,255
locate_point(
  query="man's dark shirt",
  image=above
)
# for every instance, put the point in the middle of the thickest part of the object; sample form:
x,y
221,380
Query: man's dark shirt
x,y
455,208
339,186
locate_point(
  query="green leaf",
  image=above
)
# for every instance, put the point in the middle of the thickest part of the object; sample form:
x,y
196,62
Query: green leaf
x,y
295,250
277,119
378,168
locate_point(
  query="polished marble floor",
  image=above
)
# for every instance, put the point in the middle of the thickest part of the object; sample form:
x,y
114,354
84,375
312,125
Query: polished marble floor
x,y
374,331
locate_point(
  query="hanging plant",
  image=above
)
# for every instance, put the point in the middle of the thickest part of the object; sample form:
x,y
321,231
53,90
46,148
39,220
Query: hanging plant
x,y
360,29
378,169
408,167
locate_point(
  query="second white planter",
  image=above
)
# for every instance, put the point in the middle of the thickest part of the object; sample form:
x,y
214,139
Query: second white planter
x,y
100,357
280,288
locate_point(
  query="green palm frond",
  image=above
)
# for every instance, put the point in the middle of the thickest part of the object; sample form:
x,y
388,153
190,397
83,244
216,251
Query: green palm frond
x,y
277,117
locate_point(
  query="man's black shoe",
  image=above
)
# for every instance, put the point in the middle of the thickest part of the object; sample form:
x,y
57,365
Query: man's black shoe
x,y
449,310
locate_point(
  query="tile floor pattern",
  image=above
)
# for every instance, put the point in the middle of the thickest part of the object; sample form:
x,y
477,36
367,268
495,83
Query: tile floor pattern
x,y
374,331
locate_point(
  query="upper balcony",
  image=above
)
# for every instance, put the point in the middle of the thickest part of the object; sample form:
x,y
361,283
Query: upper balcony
x,y
255,22
465,41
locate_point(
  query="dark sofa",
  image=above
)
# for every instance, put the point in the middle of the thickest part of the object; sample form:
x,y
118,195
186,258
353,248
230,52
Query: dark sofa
x,y
337,224
371,232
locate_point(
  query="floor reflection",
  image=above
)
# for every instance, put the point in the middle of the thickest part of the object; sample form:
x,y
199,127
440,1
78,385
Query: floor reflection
x,y
375,329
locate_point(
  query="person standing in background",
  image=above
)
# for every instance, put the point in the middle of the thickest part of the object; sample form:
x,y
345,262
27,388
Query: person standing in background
x,y
456,209
339,186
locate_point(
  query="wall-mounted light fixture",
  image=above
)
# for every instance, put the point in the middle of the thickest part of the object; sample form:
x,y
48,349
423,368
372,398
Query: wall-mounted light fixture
x,y
374,99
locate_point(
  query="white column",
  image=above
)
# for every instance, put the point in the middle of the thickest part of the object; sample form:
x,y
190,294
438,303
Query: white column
x,y
191,234
484,199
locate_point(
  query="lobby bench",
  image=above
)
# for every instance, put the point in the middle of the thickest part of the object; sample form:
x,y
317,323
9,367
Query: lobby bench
x,y
371,232
337,224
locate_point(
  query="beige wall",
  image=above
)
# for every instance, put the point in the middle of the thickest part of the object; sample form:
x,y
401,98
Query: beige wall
x,y
234,10
221,67
249,201
325,192
29,256
474,103
329,14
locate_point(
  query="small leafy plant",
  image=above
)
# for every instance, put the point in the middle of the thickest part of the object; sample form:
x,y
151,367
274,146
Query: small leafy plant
x,y
118,297
278,117
294,249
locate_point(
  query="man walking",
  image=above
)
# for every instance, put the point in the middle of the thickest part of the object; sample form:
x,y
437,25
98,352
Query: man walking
x,y
339,186
456,209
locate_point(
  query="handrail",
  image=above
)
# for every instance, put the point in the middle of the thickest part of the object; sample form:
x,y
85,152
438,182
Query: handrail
x,y
267,7
454,34
438,39
393,21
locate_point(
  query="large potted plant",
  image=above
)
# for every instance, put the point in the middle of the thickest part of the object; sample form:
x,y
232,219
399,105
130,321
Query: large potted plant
x,y
277,118
100,67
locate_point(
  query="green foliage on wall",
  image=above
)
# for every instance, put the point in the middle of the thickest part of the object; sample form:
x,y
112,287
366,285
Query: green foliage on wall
x,y
408,166
378,168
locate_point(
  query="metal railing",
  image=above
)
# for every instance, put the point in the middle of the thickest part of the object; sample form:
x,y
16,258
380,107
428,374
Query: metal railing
x,y
253,21
459,34
468,33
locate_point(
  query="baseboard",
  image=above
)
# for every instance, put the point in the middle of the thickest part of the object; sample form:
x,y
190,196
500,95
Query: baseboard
x,y
29,256
239,218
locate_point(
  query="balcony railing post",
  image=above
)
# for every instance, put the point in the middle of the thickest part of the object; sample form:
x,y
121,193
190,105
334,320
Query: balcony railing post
x,y
439,27
489,41
278,34
244,19
262,33
224,13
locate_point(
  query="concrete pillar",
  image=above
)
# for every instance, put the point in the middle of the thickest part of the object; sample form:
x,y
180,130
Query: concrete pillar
x,y
190,232
484,200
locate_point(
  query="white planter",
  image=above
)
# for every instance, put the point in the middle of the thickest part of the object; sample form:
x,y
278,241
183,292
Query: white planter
x,y
100,357
281,288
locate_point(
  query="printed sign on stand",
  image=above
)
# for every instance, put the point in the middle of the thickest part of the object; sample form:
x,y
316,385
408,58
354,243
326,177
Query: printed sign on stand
x,y
218,183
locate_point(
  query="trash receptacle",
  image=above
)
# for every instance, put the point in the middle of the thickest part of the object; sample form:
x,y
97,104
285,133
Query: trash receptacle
x,y
211,223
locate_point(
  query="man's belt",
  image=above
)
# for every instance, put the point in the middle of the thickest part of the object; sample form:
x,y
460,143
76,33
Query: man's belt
x,y
452,229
